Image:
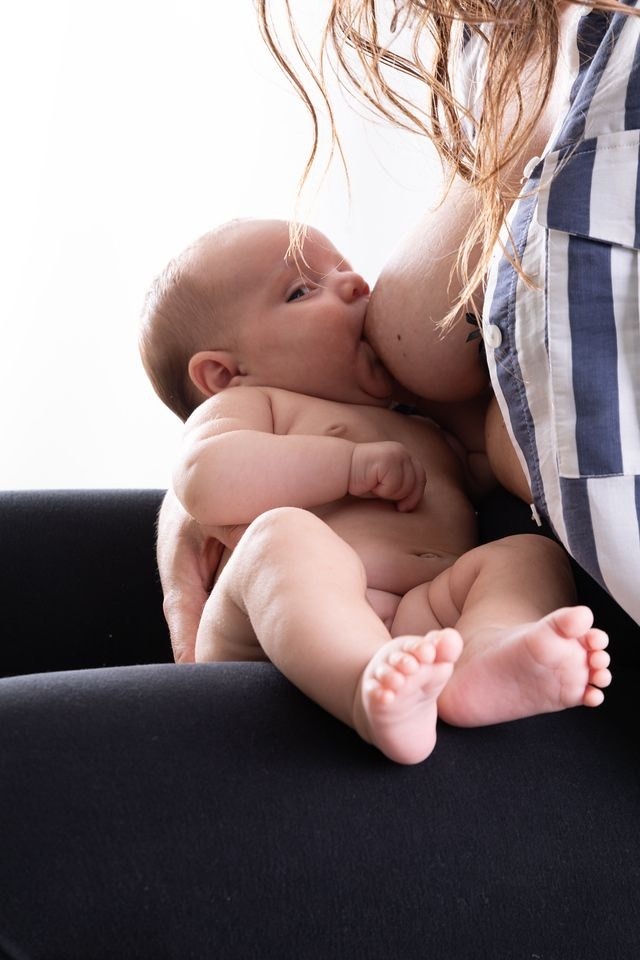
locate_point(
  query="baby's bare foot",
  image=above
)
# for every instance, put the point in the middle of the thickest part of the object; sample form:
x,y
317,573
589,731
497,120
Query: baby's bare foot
x,y
395,706
557,662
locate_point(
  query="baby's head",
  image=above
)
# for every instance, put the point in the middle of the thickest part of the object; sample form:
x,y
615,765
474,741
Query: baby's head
x,y
179,319
235,308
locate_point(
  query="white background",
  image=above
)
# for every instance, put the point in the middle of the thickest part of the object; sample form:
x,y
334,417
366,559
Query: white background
x,y
128,129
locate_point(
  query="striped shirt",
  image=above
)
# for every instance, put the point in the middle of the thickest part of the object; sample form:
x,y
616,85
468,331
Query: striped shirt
x,y
564,355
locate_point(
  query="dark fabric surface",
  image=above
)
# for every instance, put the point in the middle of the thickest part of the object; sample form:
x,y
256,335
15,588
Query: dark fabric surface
x,y
78,580
213,811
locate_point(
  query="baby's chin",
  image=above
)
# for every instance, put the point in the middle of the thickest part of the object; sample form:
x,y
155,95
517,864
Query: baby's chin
x,y
374,378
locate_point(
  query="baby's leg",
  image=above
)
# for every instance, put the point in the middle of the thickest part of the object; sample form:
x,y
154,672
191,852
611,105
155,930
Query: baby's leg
x,y
225,632
396,705
296,592
526,649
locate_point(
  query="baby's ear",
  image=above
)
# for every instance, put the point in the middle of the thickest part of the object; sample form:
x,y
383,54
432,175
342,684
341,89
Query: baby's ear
x,y
212,370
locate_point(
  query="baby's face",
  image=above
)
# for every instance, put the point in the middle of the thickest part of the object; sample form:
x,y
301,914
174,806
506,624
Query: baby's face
x,y
298,325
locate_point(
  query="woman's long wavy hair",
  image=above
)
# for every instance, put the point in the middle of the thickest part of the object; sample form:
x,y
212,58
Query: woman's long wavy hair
x,y
524,35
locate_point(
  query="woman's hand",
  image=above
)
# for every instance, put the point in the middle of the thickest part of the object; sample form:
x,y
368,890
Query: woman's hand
x,y
187,561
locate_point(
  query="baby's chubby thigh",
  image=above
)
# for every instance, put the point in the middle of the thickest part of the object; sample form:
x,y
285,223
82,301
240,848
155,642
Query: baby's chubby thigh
x,y
427,606
414,616
385,604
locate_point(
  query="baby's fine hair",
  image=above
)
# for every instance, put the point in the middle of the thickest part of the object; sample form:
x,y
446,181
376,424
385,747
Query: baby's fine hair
x,y
177,322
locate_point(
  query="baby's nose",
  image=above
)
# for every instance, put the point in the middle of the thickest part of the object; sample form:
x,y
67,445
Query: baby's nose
x,y
351,286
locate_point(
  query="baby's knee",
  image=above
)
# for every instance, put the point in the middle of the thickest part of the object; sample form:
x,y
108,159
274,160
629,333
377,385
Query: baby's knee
x,y
290,535
533,546
279,525
278,533
536,558
269,542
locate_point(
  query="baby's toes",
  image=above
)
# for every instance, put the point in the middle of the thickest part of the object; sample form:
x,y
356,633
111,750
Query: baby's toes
x,y
600,678
449,645
596,639
403,661
388,677
381,696
420,649
599,674
598,659
593,697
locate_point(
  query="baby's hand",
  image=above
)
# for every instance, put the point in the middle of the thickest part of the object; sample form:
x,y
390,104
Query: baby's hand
x,y
387,470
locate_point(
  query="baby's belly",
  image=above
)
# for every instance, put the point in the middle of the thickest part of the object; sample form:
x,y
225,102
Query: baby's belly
x,y
401,550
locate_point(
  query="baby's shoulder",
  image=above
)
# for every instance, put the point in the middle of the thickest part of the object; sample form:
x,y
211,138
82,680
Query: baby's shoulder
x,y
234,408
231,398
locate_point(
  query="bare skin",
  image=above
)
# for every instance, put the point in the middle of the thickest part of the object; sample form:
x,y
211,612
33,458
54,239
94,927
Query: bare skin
x,y
416,287
396,703
414,291
542,667
497,664
364,588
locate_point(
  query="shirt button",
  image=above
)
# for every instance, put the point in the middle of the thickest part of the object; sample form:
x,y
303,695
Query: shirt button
x,y
530,167
492,336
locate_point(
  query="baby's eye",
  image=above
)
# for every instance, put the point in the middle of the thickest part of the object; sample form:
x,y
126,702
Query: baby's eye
x,y
300,291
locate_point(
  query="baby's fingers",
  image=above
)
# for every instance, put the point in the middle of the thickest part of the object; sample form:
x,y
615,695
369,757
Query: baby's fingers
x,y
415,480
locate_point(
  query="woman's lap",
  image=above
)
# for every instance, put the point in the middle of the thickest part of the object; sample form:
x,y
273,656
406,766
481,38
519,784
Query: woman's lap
x,y
179,812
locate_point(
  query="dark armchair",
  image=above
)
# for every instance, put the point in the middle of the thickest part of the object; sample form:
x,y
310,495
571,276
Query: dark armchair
x,y
168,812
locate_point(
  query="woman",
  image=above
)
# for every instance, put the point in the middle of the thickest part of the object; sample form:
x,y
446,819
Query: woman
x,y
535,109
149,807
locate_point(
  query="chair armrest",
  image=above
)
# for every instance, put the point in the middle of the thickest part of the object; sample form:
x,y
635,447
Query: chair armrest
x,y
78,580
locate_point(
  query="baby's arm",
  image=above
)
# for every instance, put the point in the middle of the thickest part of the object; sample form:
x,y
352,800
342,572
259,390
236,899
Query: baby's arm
x,y
234,467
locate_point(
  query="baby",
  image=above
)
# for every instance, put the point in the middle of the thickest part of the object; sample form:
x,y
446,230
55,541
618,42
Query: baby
x,y
350,557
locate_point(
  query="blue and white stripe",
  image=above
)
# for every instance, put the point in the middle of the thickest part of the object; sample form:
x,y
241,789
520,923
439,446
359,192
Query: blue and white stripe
x,y
566,367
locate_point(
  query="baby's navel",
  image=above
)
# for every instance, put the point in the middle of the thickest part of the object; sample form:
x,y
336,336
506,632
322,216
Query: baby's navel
x,y
447,558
